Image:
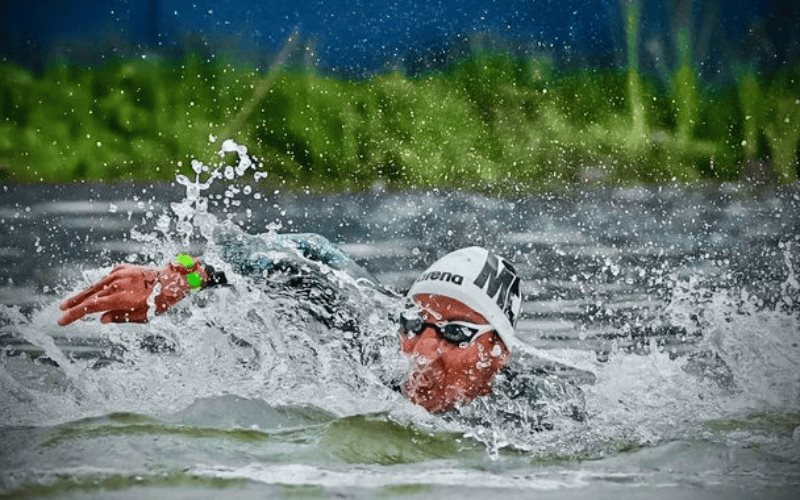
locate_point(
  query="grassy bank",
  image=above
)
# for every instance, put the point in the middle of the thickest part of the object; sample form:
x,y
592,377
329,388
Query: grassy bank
x,y
491,120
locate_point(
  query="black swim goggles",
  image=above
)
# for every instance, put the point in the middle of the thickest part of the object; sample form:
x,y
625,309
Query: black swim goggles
x,y
456,332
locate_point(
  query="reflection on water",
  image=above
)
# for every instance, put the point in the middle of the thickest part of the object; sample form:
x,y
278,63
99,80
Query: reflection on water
x,y
670,314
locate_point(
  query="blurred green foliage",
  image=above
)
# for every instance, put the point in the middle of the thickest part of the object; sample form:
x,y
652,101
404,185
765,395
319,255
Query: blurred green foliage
x,y
490,121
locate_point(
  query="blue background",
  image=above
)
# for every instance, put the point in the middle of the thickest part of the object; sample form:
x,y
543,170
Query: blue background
x,y
362,36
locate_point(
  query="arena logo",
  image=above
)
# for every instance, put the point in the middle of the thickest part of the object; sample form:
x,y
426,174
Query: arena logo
x,y
499,280
448,277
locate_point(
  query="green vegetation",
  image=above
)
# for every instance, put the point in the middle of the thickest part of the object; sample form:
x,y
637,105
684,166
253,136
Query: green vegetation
x,y
490,121
637,109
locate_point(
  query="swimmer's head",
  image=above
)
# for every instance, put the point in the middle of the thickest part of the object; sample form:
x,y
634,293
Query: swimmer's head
x,y
468,303
482,281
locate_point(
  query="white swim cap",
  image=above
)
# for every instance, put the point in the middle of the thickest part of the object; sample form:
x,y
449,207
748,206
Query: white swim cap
x,y
482,281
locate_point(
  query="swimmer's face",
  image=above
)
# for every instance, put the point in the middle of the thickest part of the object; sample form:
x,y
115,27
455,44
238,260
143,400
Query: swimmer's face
x,y
445,375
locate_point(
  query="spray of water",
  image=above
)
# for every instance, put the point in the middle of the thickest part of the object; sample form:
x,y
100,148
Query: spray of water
x,y
270,342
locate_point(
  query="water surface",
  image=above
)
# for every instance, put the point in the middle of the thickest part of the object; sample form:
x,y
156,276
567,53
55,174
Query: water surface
x,y
680,304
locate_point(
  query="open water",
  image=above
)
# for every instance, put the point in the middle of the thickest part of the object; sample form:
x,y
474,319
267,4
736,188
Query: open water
x,y
673,310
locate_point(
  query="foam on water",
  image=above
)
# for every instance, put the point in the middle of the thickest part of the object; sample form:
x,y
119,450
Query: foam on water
x,y
264,344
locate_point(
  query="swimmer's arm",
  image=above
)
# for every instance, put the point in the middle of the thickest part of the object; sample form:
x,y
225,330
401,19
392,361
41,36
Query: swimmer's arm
x,y
254,255
122,296
247,254
318,248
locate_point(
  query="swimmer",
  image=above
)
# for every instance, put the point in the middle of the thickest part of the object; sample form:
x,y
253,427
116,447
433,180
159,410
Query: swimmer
x,y
459,328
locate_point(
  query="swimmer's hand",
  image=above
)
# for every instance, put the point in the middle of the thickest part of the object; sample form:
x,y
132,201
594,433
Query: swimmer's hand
x,y
122,295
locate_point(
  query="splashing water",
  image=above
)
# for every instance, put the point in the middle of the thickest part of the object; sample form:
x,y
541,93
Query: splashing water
x,y
244,340
271,345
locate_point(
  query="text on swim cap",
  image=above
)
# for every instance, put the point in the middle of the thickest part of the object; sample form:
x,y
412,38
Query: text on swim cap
x,y
455,279
501,283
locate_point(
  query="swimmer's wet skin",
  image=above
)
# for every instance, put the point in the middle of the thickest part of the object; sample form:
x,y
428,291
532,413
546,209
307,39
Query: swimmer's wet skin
x,y
459,328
